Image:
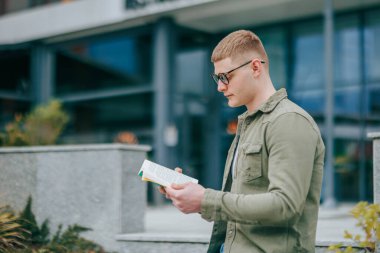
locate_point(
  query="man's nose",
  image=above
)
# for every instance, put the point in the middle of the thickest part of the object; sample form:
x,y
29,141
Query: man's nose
x,y
221,86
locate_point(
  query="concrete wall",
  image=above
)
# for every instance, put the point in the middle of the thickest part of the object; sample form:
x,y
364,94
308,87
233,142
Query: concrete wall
x,y
95,186
187,243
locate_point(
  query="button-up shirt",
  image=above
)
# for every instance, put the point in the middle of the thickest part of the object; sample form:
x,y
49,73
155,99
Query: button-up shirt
x,y
271,205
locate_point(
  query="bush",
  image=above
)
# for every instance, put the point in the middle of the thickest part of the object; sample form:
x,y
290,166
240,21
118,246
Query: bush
x,y
68,241
11,231
23,235
368,219
42,126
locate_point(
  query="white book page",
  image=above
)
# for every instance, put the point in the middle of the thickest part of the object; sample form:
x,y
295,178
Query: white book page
x,y
163,175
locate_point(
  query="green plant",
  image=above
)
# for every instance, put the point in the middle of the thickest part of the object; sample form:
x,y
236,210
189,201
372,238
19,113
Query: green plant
x,y
42,126
368,219
68,241
11,231
38,235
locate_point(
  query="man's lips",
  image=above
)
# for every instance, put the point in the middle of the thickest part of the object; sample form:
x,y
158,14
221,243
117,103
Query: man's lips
x,y
228,96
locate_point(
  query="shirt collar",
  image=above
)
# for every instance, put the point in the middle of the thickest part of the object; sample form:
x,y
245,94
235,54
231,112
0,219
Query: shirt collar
x,y
269,105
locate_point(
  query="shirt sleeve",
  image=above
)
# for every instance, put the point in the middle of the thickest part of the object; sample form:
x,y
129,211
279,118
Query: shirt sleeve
x,y
291,142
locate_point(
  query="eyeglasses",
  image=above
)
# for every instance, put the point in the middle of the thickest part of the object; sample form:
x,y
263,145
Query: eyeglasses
x,y
224,76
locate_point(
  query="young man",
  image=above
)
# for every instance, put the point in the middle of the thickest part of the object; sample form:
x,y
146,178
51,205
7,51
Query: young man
x,y
273,174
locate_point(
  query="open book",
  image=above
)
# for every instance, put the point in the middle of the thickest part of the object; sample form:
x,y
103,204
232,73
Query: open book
x,y
161,175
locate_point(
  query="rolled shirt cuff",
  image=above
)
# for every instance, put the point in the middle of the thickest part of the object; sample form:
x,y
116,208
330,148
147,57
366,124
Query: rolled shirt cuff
x,y
211,205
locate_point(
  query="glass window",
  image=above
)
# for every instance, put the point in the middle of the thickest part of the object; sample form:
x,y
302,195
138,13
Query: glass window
x,y
347,59
118,61
308,73
374,101
9,108
347,101
102,120
372,61
346,170
274,41
191,72
15,71
347,162
308,56
372,46
347,65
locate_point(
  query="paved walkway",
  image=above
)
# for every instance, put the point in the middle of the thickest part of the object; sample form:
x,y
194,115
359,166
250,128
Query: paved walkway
x,y
168,220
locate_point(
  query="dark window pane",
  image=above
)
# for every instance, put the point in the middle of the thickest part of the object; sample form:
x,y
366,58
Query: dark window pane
x,y
347,59
98,121
372,46
191,72
120,61
308,56
15,71
274,41
347,162
308,74
9,108
347,100
374,102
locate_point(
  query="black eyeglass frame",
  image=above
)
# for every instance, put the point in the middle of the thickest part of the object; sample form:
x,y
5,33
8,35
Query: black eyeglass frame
x,y
223,76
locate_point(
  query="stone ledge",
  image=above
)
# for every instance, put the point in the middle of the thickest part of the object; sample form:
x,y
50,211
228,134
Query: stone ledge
x,y
69,148
374,135
198,238
164,237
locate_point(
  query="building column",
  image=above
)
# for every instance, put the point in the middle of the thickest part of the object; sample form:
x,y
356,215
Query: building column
x,y
329,194
42,74
163,81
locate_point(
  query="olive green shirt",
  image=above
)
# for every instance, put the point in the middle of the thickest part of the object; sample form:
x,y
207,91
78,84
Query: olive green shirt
x,y
271,202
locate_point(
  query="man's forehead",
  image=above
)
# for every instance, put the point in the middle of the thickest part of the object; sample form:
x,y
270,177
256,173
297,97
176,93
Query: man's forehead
x,y
223,65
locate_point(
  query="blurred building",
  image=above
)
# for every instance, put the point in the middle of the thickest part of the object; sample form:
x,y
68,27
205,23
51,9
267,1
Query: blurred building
x,y
142,67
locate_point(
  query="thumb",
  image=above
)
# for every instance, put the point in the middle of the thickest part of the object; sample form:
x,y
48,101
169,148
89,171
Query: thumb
x,y
178,186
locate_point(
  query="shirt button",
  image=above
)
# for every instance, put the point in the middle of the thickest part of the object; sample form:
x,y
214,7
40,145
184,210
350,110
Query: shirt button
x,y
230,232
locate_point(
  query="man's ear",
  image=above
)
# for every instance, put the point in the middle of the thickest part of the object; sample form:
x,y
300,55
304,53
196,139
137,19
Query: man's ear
x,y
256,67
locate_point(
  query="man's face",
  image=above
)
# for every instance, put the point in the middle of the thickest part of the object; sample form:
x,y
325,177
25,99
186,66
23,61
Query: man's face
x,y
240,89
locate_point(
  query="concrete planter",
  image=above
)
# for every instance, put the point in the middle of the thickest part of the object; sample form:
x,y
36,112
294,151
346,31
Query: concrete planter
x,y
95,186
376,172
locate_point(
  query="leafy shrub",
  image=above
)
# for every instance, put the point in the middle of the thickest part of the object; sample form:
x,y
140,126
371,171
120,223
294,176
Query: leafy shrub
x,y
68,241
23,235
42,126
11,231
368,219
38,236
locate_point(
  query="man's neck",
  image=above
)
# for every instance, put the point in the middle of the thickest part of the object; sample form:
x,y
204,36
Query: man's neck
x,y
261,97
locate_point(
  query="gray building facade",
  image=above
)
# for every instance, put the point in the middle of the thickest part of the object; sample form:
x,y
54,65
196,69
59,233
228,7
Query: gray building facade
x,y
143,67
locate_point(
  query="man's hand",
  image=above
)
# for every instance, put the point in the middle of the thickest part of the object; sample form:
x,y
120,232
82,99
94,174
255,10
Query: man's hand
x,y
186,197
161,189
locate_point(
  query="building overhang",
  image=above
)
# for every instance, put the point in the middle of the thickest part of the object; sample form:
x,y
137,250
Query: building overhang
x,y
62,22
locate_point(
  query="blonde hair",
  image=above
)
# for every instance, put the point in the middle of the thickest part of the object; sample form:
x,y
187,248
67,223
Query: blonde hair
x,y
238,44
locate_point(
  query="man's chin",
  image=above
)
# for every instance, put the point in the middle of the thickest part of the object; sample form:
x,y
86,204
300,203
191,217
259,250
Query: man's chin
x,y
232,104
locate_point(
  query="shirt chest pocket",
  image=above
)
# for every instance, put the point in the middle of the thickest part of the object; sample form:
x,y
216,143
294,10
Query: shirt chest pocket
x,y
251,167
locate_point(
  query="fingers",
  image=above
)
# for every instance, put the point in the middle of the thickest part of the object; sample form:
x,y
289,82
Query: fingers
x,y
179,186
169,192
161,189
179,170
